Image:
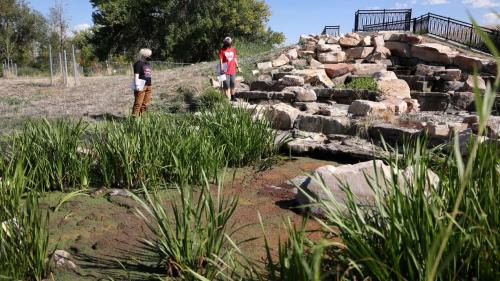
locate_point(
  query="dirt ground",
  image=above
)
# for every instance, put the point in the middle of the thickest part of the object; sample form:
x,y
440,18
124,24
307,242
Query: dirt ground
x,y
92,99
103,233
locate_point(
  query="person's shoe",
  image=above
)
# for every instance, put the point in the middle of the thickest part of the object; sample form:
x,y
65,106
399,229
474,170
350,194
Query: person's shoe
x,y
233,98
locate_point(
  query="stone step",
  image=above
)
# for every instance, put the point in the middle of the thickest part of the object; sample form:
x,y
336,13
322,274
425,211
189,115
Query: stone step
x,y
257,96
345,96
432,101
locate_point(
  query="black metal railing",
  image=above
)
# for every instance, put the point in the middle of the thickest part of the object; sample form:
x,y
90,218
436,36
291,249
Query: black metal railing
x,y
454,30
332,30
446,28
382,18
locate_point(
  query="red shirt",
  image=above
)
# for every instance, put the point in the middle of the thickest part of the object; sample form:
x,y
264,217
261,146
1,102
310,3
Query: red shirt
x,y
228,56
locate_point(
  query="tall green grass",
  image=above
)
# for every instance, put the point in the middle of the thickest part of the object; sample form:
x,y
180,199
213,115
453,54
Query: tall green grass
x,y
189,237
23,231
53,152
181,149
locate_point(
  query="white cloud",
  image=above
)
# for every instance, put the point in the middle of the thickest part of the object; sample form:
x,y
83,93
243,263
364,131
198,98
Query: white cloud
x,y
81,27
491,18
436,2
405,5
481,3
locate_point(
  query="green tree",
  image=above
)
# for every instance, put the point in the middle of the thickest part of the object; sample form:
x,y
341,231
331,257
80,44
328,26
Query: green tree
x,y
21,30
185,30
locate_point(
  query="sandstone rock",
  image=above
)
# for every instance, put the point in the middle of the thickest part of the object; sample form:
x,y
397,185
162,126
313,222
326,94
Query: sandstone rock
x,y
438,129
306,54
493,127
367,41
328,48
308,107
253,95
292,80
306,38
335,70
314,64
428,70
469,63
268,86
412,38
368,68
265,77
434,52
392,35
302,94
292,54
368,108
300,63
283,116
353,35
378,41
393,88
379,54
359,177
397,106
412,105
491,67
332,57
450,74
280,61
400,49
348,42
340,81
470,83
463,100
392,133
333,40
358,52
284,68
62,259
323,124
452,86
309,47
385,75
315,77
265,66
242,87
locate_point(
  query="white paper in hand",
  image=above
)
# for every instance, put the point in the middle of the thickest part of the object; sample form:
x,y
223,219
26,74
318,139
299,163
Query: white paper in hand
x,y
141,85
221,78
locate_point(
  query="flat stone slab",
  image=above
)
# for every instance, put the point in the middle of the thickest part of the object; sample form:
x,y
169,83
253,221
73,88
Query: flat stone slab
x,y
392,133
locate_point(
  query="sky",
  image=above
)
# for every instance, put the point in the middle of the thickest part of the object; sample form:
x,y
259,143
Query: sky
x,y
295,17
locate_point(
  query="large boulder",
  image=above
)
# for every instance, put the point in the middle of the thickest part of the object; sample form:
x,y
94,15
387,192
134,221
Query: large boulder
x,y
281,60
339,69
314,77
265,67
329,48
292,80
470,83
395,105
399,49
323,124
299,63
333,40
309,47
283,116
368,108
378,41
434,52
385,75
428,70
367,41
412,38
358,52
379,54
392,35
302,94
332,57
469,63
314,64
266,85
350,40
292,54
396,88
368,69
451,74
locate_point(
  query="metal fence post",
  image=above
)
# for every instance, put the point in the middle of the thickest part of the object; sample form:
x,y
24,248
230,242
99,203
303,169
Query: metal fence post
x,y
75,72
65,69
356,18
447,28
51,66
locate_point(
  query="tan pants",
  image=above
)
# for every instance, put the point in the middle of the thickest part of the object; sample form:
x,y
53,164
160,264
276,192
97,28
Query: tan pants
x,y
142,100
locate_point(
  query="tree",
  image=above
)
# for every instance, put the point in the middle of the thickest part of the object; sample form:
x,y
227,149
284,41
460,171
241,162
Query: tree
x,y
20,29
185,30
58,23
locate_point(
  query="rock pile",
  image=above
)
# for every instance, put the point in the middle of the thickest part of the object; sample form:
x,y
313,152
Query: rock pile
x,y
308,91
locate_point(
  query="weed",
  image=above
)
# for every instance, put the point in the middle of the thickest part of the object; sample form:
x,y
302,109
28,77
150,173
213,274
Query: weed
x,y
211,98
362,83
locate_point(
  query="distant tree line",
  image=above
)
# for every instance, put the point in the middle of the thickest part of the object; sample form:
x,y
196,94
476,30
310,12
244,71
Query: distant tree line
x,y
180,30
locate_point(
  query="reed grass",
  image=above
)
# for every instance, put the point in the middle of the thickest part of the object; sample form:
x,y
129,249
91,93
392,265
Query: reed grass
x,y
189,239
23,231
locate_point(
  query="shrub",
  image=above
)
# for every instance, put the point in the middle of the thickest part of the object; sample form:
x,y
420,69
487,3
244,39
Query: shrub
x,y
211,98
362,83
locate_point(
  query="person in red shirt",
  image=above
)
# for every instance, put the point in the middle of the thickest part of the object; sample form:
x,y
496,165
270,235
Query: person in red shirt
x,y
228,66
